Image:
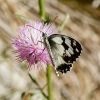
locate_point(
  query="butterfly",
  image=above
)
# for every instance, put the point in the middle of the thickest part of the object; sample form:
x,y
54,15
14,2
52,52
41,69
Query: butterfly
x,y
63,51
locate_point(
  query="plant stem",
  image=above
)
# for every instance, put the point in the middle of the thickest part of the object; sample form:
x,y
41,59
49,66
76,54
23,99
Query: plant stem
x,y
41,7
49,72
49,68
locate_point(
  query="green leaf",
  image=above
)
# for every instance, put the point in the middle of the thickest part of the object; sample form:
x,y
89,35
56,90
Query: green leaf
x,y
64,22
33,80
24,18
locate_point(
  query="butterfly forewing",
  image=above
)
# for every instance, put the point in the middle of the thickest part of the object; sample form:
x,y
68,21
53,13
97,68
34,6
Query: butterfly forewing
x,y
65,50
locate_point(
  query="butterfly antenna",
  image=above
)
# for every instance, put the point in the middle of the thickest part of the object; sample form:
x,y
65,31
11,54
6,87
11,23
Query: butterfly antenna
x,y
48,27
34,28
51,23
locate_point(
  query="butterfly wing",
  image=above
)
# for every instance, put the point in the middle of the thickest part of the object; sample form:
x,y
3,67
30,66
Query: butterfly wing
x,y
65,51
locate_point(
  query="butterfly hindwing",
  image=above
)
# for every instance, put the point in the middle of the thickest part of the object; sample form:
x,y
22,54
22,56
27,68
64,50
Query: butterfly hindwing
x,y
65,51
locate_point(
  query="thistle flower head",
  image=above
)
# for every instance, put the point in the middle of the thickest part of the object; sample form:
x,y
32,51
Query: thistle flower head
x,y
29,46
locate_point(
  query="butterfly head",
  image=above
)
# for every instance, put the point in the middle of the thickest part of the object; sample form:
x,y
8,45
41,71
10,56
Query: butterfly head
x,y
44,35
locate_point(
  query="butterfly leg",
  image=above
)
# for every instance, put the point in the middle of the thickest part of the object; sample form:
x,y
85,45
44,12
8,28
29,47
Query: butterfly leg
x,y
39,42
41,52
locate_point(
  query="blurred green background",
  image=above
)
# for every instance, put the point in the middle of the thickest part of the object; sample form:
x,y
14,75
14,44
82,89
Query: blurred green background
x,y
82,82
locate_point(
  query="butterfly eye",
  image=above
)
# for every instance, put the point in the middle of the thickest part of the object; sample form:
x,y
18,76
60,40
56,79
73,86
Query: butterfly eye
x,y
43,34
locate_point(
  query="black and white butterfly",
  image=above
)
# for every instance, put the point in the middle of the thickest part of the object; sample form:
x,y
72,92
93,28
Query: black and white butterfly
x,y
63,51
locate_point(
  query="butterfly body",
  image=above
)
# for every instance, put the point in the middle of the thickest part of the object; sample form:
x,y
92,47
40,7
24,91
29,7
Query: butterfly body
x,y
63,51
47,45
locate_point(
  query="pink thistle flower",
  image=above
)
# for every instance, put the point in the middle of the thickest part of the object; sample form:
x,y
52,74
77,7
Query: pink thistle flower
x,y
29,46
